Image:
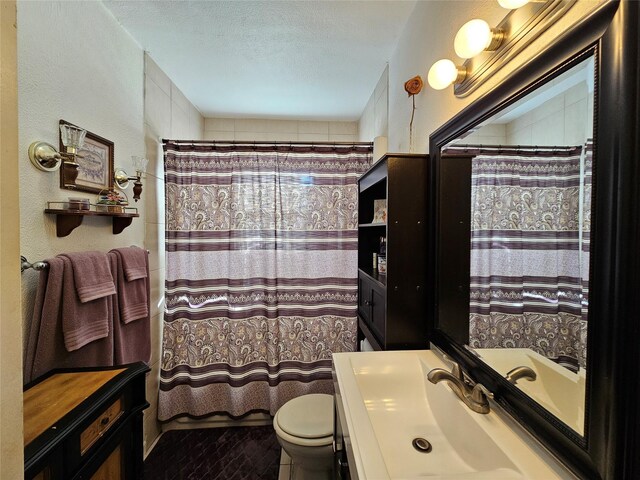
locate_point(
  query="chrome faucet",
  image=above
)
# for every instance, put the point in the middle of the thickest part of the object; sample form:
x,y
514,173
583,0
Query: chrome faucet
x,y
475,396
517,373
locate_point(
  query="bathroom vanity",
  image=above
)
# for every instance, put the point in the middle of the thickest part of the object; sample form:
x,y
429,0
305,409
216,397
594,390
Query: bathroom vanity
x,y
392,423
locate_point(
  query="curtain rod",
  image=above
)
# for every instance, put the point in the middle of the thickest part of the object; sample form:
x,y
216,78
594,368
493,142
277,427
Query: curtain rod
x,y
265,142
472,146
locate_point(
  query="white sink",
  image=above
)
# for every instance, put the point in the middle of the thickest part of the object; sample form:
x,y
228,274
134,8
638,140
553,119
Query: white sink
x,y
388,402
557,389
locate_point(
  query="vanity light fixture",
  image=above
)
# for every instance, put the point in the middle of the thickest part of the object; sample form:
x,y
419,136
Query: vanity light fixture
x,y
122,178
512,4
45,157
486,49
444,72
476,36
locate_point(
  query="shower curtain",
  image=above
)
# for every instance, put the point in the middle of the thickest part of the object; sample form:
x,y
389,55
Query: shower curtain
x,y
530,222
261,284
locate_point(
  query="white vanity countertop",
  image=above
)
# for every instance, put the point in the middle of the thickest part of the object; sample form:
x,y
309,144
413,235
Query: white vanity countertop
x,y
557,389
387,402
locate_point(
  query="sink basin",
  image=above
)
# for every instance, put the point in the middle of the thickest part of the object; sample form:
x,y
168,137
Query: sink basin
x,y
389,403
557,389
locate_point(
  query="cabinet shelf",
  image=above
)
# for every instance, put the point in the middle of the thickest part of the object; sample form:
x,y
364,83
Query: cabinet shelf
x,y
380,279
68,220
368,225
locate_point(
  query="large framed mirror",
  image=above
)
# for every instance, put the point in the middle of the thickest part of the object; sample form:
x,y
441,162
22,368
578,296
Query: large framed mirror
x,y
524,183
526,188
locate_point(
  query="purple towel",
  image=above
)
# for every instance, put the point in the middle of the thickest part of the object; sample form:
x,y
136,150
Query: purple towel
x,y
134,262
91,274
132,341
46,347
82,323
45,313
133,300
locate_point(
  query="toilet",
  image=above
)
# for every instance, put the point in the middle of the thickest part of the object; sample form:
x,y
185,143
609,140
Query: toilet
x,y
304,427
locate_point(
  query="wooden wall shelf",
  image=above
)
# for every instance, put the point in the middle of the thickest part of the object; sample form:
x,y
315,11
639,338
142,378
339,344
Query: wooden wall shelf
x,y
67,220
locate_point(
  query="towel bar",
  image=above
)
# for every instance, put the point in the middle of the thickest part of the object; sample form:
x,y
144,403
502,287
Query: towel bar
x,y
25,265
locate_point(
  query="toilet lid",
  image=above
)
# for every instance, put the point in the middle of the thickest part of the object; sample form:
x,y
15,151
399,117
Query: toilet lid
x,y
308,416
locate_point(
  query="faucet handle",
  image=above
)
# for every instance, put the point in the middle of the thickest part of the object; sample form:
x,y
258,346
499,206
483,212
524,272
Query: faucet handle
x,y
456,371
480,394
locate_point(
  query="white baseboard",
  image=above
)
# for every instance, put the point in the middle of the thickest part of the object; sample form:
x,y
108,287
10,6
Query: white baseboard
x,y
218,421
151,447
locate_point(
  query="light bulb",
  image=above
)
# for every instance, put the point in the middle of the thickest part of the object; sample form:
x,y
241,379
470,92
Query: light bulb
x,y
140,164
72,137
476,36
443,73
512,4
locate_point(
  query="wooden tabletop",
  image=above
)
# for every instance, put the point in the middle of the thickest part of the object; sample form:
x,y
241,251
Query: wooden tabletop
x,y
48,401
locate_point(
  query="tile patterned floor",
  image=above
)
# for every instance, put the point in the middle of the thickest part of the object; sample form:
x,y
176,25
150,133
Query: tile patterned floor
x,y
236,453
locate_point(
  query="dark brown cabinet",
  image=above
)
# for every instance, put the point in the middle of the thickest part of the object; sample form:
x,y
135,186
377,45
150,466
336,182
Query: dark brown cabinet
x,y
85,423
372,303
391,306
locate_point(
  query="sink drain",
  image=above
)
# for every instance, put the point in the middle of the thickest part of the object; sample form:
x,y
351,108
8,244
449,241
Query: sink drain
x,y
421,444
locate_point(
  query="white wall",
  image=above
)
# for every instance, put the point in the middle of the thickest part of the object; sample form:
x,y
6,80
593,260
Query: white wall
x,y
167,114
76,63
488,135
89,71
566,119
259,129
428,37
374,121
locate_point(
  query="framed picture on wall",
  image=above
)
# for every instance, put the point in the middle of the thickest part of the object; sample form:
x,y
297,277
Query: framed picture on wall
x,y
95,163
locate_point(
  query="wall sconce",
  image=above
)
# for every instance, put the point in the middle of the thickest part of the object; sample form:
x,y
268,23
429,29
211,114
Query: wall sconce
x,y
444,72
122,178
44,156
73,139
476,36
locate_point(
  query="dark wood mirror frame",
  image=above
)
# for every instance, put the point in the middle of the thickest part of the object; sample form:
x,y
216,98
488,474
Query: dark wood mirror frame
x,y
610,446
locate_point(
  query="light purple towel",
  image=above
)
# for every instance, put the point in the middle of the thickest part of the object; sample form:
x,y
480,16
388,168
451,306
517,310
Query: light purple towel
x,y
91,274
133,300
132,341
82,323
46,306
46,347
134,262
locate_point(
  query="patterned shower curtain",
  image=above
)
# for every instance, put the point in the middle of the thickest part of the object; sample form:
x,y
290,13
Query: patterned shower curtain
x,y
530,223
261,284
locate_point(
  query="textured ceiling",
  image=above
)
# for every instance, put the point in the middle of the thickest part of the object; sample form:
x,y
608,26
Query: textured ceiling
x,y
274,59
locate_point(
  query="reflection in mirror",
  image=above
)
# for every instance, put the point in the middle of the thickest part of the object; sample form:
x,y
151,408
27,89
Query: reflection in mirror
x,y
531,170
